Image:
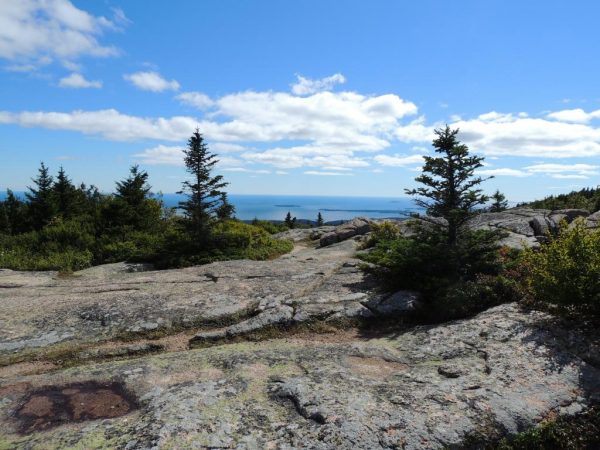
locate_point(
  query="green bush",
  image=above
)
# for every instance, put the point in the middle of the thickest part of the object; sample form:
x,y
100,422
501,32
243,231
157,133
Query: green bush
x,y
454,280
565,272
385,231
269,226
230,239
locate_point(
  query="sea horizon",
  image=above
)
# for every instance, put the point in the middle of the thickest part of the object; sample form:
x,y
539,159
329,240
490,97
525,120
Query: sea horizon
x,y
303,207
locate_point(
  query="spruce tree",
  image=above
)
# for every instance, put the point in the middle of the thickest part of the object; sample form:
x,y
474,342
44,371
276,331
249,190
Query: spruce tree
x,y
204,191
132,208
135,188
65,195
225,210
41,201
15,214
289,222
4,224
450,187
320,221
499,202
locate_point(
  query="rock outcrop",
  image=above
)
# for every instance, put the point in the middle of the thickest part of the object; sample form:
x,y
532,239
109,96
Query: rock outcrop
x,y
428,388
227,356
356,227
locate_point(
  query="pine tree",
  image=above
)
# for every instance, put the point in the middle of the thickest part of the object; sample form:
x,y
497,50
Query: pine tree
x,y
135,188
225,210
15,214
499,202
4,224
65,195
289,222
450,190
41,202
132,208
203,191
320,221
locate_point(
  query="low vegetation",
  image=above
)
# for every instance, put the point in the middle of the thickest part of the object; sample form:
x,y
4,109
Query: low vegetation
x,y
564,273
460,271
587,198
65,227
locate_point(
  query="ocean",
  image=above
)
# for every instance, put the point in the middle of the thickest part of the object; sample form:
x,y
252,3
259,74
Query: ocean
x,y
275,207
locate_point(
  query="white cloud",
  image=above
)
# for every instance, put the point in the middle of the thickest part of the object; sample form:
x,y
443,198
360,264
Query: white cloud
x,y
398,160
226,147
246,170
307,156
196,99
504,172
560,171
55,29
77,81
173,156
151,81
577,115
108,123
495,134
332,128
564,171
326,174
306,86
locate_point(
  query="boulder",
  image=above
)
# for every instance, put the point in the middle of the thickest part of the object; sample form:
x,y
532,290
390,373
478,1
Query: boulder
x,y
571,214
400,302
541,226
356,227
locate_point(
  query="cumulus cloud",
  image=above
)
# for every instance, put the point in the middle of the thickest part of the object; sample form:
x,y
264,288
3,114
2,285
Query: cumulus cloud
x,y
34,29
196,99
107,123
326,174
559,171
575,171
309,155
77,81
306,86
173,156
332,128
398,160
496,134
577,115
504,172
151,81
246,170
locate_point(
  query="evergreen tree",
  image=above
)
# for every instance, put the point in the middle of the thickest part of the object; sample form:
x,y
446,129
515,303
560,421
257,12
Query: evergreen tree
x,y
320,221
203,191
4,224
132,208
15,213
289,222
41,202
66,195
499,202
135,188
225,209
450,190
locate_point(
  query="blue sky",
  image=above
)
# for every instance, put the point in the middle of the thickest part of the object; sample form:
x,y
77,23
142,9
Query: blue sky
x,y
312,97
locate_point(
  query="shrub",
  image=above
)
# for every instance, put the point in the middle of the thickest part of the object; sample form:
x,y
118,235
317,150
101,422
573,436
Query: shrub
x,y
565,272
454,280
269,226
384,231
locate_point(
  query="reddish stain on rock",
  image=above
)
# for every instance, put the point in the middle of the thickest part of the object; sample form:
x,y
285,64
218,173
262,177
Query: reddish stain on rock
x,y
50,406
